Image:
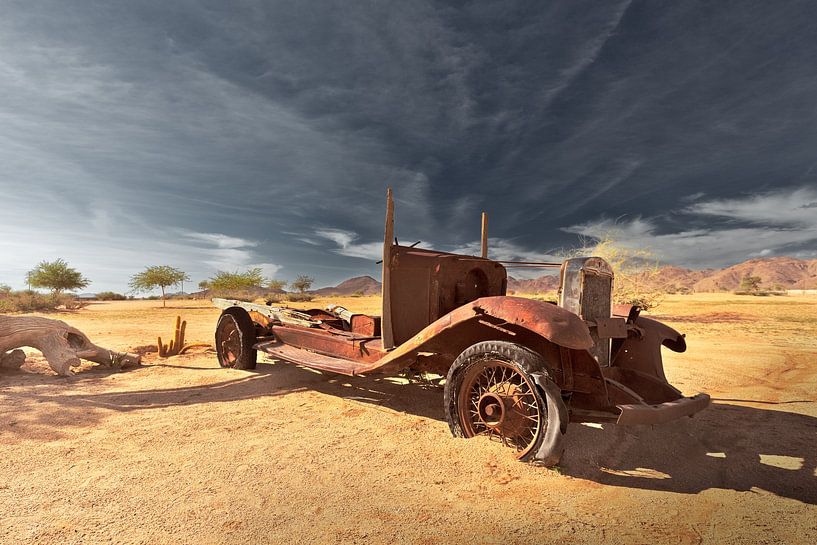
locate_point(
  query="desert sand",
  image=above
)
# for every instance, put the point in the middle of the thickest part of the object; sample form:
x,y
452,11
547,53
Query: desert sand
x,y
180,451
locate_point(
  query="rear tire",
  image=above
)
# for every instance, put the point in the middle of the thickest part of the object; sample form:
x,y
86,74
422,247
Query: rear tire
x,y
502,390
235,337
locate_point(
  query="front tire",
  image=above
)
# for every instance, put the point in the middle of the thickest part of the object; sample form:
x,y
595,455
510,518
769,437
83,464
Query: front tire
x,y
235,337
502,390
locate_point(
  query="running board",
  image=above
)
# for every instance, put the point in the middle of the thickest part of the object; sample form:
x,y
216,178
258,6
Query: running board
x,y
309,359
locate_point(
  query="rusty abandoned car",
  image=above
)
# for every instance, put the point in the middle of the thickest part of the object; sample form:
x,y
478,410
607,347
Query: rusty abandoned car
x,y
517,370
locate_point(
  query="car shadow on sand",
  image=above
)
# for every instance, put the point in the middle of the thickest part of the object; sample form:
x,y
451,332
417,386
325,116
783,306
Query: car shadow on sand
x,y
734,447
414,396
44,404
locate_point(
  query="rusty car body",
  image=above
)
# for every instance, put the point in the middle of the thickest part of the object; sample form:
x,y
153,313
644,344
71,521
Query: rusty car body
x,y
517,369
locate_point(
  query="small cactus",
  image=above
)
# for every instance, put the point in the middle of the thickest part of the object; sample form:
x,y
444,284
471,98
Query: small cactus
x,y
176,344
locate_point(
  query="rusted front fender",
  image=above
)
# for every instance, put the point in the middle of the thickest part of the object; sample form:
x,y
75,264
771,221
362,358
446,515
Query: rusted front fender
x,y
485,319
552,322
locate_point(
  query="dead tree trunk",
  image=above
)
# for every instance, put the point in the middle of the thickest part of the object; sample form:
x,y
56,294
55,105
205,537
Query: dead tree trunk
x,y
62,345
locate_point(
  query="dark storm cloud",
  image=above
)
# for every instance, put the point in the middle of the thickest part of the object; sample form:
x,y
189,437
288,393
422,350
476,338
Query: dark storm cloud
x,y
231,134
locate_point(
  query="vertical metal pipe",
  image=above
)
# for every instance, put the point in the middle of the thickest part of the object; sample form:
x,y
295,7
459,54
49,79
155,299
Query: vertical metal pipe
x,y
484,235
386,322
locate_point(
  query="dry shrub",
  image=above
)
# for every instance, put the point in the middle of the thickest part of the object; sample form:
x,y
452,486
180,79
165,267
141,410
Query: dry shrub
x,y
69,302
547,297
635,269
248,296
299,297
274,298
28,301
110,296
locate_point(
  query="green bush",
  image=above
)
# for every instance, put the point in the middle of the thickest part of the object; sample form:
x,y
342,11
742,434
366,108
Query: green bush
x,y
222,280
110,296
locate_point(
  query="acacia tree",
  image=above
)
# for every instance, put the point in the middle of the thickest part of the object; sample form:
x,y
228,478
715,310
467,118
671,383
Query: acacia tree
x,y
158,276
276,285
302,283
750,284
250,278
57,276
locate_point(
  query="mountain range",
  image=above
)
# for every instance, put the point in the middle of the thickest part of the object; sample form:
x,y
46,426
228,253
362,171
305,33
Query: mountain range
x,y
785,272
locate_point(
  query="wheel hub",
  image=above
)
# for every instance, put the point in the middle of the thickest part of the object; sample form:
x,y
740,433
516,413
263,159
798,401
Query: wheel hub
x,y
491,410
501,409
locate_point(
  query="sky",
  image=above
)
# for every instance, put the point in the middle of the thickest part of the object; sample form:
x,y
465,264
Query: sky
x,y
215,135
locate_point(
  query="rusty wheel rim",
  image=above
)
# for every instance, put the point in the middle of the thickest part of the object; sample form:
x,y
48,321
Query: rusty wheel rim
x,y
497,401
229,342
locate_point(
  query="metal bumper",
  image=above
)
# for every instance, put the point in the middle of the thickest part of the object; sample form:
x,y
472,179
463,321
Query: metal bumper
x,y
664,412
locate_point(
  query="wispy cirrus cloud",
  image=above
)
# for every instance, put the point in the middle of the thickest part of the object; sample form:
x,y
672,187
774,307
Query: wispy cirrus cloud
x,y
227,253
797,208
764,224
346,244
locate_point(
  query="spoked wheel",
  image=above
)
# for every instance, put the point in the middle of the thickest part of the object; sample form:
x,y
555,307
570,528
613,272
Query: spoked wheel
x,y
501,391
235,336
496,400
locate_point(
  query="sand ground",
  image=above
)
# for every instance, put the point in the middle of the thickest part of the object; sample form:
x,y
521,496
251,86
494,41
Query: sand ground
x,y
180,451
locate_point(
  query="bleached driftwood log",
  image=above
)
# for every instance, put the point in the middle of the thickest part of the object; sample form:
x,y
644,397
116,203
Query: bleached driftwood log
x,y
62,345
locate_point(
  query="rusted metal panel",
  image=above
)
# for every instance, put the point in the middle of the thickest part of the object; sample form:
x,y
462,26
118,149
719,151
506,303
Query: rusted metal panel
x,y
550,321
292,354
642,350
567,368
348,347
425,285
366,325
611,328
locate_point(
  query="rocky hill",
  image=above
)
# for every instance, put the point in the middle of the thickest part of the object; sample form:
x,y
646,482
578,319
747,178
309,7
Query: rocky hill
x,y
774,272
365,285
542,284
672,278
788,272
